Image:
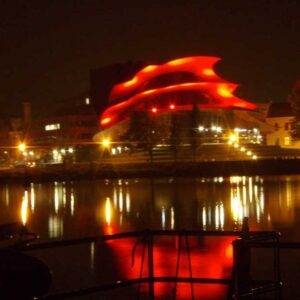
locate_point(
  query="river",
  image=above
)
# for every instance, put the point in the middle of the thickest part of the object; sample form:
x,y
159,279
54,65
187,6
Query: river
x,y
76,209
65,210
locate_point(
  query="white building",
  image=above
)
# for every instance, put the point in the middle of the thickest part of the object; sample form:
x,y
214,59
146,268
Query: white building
x,y
280,117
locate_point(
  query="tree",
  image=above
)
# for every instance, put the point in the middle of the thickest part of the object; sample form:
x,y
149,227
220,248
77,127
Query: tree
x,y
174,135
193,132
143,131
294,99
137,132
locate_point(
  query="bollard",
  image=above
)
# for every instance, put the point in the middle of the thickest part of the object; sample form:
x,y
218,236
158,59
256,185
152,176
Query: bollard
x,y
242,264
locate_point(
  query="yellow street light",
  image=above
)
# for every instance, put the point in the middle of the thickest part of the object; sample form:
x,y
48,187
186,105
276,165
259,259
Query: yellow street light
x,y
234,138
106,142
22,147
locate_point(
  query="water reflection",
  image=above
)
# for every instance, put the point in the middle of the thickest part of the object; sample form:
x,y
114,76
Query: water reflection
x,y
58,210
24,208
56,197
108,228
92,255
246,198
72,202
32,197
198,203
55,227
6,195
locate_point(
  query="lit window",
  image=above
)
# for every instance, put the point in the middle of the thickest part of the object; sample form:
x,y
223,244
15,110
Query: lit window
x,y
87,101
50,127
287,140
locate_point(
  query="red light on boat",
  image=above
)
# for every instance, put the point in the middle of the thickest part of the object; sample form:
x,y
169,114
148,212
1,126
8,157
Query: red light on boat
x,y
172,106
154,109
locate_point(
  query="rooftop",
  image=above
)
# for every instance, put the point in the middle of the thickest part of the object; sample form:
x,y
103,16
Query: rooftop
x,y
282,109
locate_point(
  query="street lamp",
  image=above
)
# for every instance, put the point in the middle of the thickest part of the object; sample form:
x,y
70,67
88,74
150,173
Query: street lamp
x,y
233,138
106,143
105,147
22,147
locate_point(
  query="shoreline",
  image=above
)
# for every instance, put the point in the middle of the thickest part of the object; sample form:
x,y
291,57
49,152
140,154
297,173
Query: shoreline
x,y
93,170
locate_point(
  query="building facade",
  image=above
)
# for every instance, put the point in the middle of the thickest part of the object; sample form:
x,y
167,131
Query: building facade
x,y
280,117
66,134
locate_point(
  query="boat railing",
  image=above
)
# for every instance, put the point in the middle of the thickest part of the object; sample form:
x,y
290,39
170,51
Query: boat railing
x,y
240,284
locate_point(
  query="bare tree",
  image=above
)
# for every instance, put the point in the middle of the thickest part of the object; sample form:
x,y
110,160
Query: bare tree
x,y
294,99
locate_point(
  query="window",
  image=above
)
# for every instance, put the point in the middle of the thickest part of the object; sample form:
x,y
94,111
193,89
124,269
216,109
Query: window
x,y
276,126
287,140
51,127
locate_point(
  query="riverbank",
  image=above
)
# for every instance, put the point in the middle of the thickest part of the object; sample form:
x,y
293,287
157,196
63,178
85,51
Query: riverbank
x,y
158,169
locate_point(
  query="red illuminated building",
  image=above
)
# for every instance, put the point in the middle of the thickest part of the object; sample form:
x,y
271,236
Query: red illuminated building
x,y
176,85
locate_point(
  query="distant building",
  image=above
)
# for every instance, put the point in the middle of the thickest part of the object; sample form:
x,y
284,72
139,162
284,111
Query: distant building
x,y
69,130
280,117
75,121
13,128
103,79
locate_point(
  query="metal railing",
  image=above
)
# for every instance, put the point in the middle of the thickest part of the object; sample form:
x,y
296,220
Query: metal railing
x,y
240,285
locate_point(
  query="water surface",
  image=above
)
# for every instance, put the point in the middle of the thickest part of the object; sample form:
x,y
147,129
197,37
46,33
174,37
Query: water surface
x,y
64,210
75,209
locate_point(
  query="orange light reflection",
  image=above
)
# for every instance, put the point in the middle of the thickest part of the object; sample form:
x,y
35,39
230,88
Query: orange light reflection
x,y
108,211
24,208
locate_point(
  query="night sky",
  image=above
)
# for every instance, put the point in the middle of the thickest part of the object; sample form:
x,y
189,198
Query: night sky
x,y
48,47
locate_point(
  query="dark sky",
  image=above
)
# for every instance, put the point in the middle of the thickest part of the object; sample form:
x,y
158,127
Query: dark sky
x,y
48,47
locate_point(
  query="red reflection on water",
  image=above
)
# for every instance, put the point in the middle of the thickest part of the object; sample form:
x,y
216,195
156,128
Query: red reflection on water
x,y
210,257
109,229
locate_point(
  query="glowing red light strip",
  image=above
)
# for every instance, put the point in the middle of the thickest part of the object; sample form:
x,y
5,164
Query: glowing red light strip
x,y
223,99
201,66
